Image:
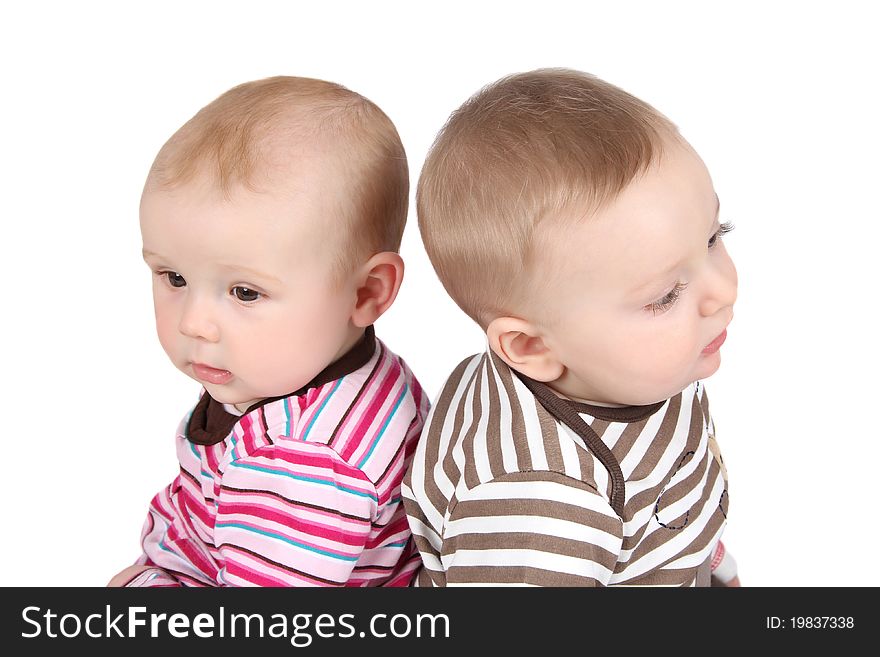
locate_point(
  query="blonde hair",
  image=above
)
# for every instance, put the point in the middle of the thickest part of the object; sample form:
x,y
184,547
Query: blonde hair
x,y
531,148
235,138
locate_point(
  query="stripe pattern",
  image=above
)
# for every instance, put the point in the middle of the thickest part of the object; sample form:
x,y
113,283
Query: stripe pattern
x,y
501,492
304,491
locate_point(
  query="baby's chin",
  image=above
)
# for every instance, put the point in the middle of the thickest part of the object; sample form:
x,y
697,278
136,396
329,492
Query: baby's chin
x,y
233,400
661,392
705,367
226,394
708,365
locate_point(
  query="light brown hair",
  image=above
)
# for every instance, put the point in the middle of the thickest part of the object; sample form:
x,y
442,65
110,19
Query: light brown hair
x,y
236,138
530,149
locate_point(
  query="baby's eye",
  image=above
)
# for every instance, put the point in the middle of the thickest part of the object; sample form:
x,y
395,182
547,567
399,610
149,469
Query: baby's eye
x,y
174,279
725,228
244,293
667,301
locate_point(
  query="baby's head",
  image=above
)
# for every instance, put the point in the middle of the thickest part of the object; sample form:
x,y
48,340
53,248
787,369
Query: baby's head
x,y
581,231
271,221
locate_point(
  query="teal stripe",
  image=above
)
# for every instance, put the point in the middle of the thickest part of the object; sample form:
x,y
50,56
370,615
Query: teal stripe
x,y
321,408
385,425
199,457
279,537
311,480
235,452
285,402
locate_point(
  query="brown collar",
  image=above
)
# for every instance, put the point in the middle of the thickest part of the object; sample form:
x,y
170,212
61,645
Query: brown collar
x,y
567,412
210,423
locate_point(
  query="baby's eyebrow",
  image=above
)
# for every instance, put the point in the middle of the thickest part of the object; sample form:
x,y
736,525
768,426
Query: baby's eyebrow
x,y
653,280
236,268
253,272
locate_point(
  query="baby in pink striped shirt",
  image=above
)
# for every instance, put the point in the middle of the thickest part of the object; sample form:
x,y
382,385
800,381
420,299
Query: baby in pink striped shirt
x,y
271,222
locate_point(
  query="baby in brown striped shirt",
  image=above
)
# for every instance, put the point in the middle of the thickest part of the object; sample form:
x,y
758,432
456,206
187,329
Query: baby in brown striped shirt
x,y
579,229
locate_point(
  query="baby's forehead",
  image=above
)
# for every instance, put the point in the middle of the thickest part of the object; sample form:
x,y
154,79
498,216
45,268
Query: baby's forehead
x,y
284,206
595,251
620,254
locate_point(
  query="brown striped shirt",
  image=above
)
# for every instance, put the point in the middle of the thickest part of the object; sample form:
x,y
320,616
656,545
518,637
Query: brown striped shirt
x,y
511,484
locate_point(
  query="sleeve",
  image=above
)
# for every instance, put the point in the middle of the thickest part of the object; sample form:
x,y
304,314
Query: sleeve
x,y
723,565
176,559
534,529
293,514
153,577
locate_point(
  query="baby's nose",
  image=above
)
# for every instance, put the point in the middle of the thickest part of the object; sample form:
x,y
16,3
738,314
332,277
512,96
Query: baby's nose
x,y
197,321
721,290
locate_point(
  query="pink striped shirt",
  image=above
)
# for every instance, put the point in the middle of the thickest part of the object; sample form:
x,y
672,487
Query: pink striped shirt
x,y
302,490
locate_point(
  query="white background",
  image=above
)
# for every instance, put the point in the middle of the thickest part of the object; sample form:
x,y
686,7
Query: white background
x,y
779,98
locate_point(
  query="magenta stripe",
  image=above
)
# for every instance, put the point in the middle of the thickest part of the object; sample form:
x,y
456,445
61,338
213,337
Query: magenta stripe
x,y
299,508
335,480
191,554
246,441
376,391
249,574
257,528
198,508
298,452
366,447
260,512
398,530
363,393
304,419
377,398
389,485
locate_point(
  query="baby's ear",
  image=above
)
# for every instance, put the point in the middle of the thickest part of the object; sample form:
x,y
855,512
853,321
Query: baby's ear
x,y
377,287
519,344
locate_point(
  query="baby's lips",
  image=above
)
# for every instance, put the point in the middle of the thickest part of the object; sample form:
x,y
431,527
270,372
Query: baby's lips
x,y
208,374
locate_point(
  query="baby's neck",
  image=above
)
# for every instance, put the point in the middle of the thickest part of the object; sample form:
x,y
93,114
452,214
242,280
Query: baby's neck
x,y
580,400
591,403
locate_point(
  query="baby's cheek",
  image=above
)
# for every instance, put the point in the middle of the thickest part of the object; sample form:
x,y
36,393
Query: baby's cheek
x,y
660,360
278,359
166,328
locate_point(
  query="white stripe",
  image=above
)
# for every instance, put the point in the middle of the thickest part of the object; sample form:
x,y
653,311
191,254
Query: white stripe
x,y
437,475
602,478
612,433
458,454
530,559
342,399
425,531
508,451
645,440
569,451
481,446
644,516
671,455
583,497
682,540
538,525
488,583
671,511
534,437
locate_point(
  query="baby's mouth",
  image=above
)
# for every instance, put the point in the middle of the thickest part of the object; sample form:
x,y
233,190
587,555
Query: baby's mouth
x,y
208,374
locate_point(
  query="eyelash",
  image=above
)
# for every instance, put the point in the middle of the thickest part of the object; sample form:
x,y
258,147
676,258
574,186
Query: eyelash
x,y
168,274
664,304
723,229
669,300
